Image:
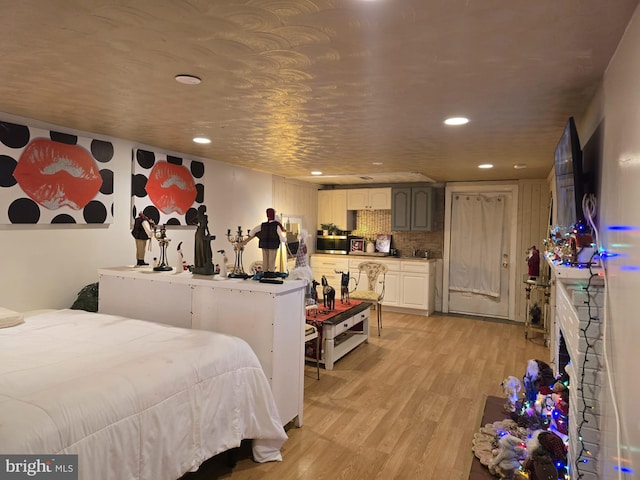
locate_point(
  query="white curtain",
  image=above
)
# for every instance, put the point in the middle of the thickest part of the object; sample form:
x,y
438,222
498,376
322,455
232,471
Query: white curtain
x,y
475,261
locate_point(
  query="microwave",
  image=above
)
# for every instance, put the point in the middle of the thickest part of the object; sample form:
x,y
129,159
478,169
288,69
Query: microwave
x,y
334,244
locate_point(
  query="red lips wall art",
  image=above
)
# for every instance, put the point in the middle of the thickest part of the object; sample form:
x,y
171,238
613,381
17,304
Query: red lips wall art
x,y
54,177
166,188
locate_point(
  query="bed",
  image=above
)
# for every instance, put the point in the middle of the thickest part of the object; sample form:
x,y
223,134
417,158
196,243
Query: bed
x,y
133,399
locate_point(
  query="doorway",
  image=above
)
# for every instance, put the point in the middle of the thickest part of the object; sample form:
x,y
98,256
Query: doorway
x,y
479,245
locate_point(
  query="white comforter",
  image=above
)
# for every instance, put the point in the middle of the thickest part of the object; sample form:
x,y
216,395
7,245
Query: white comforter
x,y
134,399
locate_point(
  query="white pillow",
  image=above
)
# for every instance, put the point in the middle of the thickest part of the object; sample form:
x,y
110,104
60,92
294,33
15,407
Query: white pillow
x,y
9,318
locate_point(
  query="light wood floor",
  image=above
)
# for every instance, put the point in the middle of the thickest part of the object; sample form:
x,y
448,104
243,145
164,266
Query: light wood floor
x,y
403,406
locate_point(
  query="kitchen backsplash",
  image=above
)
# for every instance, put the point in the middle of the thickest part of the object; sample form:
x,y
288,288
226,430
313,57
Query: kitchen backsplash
x,y
372,222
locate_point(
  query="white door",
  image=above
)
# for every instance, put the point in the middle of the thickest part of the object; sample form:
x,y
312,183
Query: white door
x,y
479,279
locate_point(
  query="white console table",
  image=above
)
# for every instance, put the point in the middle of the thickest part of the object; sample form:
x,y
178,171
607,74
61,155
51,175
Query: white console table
x,y
269,317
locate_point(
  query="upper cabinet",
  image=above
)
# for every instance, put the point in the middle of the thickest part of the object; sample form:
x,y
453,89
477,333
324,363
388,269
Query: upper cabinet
x,y
412,209
332,208
369,199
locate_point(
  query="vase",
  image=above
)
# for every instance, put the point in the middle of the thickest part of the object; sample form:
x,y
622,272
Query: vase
x,y
371,247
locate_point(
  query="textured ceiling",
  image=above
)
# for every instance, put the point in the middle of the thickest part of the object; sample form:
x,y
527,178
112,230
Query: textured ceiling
x,y
290,86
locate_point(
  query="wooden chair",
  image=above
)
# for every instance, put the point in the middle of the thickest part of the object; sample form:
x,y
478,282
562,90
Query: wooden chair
x,y
372,272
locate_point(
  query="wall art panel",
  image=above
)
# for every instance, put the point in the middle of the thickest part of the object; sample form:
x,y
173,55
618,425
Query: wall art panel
x,y
166,188
48,177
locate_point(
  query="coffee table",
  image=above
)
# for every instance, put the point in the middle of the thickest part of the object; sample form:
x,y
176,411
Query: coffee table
x,y
341,332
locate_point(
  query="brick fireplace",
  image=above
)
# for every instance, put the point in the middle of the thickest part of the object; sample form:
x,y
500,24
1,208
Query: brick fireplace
x,y
576,348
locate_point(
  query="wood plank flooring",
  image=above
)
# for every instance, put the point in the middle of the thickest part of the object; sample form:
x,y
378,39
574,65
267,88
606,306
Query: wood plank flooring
x,y
403,406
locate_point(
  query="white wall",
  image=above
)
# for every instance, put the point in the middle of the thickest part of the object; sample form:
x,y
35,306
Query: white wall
x,y
45,266
620,206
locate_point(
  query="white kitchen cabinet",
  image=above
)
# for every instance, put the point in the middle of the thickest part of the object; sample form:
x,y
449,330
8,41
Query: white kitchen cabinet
x,y
369,199
269,317
417,279
409,283
332,208
327,265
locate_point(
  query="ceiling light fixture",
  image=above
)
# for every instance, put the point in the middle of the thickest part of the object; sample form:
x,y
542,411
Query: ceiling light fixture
x,y
202,140
186,79
377,163
518,166
456,121
485,165
316,172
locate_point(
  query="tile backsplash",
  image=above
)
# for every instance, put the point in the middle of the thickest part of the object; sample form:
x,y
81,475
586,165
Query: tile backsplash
x,y
372,222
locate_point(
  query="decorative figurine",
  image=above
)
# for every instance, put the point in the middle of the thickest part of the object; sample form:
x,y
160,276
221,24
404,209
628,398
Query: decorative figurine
x,y
302,270
507,460
328,295
533,262
163,241
179,259
221,264
344,286
270,234
238,242
142,231
203,256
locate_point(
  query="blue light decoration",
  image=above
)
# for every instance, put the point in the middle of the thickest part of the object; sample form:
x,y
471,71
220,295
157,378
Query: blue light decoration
x,y
630,268
623,470
622,228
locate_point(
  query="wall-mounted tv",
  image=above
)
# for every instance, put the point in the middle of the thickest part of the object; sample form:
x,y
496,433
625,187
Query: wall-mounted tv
x,y
569,178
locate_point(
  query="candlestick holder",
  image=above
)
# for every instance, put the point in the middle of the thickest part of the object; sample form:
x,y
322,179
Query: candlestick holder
x,y
237,241
163,241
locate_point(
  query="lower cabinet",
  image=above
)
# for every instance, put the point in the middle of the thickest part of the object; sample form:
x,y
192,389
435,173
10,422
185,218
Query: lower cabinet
x,y
417,286
409,284
328,266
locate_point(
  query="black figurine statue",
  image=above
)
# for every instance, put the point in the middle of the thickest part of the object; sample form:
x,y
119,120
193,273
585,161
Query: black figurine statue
x,y
203,255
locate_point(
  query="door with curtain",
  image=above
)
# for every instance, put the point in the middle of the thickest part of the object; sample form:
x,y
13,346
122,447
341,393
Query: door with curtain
x,y
479,273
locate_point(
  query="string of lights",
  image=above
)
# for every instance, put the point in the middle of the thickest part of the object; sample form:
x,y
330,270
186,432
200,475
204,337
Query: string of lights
x,y
584,455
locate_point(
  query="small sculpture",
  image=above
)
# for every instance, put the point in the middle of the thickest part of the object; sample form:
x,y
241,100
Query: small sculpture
x,y
328,295
533,261
203,255
507,459
344,287
142,231
302,270
179,259
511,387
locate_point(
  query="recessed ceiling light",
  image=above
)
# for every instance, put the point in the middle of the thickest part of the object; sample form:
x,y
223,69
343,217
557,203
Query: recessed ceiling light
x,y
202,140
456,121
518,166
188,79
377,163
316,172
485,165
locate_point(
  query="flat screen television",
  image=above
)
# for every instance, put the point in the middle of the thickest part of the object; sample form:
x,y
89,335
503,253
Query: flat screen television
x,y
569,178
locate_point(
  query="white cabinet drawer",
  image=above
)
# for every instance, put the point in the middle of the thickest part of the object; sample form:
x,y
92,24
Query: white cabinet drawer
x,y
330,262
348,323
392,265
418,266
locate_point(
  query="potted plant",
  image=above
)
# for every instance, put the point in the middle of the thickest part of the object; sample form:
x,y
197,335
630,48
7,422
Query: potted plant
x,y
329,228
